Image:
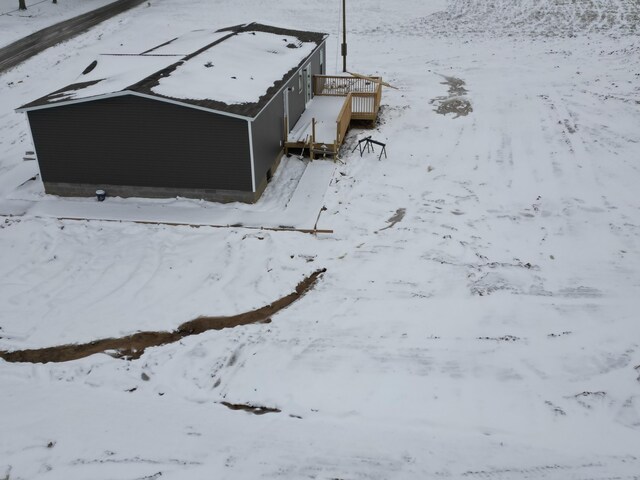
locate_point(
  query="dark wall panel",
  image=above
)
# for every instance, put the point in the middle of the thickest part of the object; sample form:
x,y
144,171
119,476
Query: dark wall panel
x,y
268,132
297,100
136,141
268,127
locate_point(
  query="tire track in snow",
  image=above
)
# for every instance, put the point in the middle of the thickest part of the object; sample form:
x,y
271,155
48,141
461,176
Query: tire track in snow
x,y
586,471
536,18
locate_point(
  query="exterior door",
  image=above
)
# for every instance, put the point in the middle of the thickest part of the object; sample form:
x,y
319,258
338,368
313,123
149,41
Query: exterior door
x,y
308,90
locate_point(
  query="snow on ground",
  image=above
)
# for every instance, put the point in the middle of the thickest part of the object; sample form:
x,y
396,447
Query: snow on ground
x,y
15,24
478,316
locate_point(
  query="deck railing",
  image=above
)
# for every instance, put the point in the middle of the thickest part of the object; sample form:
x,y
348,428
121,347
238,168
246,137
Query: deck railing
x,y
344,118
362,101
364,105
366,93
336,85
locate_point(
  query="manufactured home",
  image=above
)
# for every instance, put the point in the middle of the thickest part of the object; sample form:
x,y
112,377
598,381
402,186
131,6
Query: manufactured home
x,y
205,115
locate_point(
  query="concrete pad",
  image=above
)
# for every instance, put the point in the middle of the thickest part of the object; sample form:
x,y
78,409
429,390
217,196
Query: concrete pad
x,y
301,212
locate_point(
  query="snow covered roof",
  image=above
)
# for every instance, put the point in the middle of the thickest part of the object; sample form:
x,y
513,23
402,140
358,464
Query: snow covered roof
x,y
111,73
235,70
239,70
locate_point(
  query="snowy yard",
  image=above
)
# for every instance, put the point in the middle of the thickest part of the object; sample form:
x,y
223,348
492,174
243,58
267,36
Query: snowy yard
x,y
15,23
478,317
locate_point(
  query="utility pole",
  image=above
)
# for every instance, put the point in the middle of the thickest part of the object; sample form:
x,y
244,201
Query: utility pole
x,y
344,36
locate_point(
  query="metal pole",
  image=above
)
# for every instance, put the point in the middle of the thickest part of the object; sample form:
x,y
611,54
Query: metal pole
x,y
344,36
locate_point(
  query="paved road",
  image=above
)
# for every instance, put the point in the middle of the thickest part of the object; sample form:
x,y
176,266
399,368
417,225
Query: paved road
x,y
17,52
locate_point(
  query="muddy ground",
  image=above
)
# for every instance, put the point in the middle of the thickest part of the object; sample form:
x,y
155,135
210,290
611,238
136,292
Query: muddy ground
x,y
133,346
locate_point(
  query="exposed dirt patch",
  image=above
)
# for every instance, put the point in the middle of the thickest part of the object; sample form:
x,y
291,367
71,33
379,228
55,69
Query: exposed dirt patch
x,y
591,394
571,128
458,105
456,86
396,218
591,400
256,410
456,101
505,338
133,346
555,409
556,335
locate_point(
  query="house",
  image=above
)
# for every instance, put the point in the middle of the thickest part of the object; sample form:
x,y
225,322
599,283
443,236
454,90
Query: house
x,y
199,116
205,115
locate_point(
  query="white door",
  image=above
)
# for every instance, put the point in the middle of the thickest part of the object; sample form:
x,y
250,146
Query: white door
x,y
308,84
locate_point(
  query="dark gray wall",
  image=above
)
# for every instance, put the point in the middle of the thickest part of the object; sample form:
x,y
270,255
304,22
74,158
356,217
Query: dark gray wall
x,y
268,127
136,141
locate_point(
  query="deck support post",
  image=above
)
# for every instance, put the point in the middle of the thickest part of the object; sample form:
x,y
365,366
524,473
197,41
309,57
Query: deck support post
x,y
313,138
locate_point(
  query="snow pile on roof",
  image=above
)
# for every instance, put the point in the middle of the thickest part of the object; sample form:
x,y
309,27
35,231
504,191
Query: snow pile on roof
x,y
239,70
114,73
189,43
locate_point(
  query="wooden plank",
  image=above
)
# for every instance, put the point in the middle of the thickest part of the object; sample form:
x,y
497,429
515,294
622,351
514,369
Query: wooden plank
x,y
313,138
377,80
174,224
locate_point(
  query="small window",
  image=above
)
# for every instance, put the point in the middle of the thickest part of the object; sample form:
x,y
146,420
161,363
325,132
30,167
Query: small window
x,y
322,62
300,81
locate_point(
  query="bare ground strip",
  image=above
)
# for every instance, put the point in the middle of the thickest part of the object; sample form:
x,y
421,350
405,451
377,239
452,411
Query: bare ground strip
x,y
133,346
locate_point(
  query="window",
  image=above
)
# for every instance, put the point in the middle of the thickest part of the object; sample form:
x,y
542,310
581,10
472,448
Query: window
x,y
322,61
300,81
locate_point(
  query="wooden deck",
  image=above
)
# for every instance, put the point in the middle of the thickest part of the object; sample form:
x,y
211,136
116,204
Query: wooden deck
x,y
312,133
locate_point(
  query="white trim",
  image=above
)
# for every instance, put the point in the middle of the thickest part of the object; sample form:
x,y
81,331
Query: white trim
x,y
135,94
285,94
308,84
35,150
253,167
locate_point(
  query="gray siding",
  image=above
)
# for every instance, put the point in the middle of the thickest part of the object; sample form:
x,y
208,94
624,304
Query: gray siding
x,y
268,128
135,141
